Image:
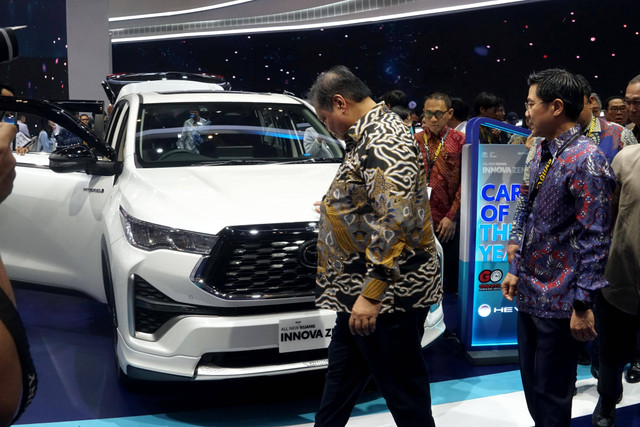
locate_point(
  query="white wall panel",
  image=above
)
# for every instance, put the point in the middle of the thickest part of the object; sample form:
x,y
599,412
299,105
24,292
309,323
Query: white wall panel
x,y
88,47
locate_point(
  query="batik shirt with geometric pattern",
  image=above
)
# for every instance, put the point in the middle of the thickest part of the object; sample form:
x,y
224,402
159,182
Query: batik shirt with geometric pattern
x,y
566,232
375,234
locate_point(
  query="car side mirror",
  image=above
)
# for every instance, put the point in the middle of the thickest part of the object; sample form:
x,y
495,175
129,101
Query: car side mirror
x,y
75,158
79,158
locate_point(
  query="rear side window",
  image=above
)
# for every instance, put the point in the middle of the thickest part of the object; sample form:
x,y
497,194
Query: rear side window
x,y
187,134
114,121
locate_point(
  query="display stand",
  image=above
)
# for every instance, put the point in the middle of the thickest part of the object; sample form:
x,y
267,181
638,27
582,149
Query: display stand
x,y
491,178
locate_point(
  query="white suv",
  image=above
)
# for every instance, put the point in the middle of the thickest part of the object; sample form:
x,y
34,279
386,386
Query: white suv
x,y
194,222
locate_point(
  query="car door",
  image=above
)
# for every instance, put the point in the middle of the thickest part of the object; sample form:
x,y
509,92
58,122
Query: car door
x,y
50,226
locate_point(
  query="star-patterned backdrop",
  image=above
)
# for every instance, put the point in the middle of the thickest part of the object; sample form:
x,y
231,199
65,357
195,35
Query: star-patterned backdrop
x,y
463,53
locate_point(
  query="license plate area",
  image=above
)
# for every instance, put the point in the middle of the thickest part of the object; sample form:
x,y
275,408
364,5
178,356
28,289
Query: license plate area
x,y
309,333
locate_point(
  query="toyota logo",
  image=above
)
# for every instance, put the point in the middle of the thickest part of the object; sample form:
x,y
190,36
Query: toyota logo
x,y
308,254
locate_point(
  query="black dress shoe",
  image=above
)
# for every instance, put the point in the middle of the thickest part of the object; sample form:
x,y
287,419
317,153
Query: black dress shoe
x,y
603,418
633,373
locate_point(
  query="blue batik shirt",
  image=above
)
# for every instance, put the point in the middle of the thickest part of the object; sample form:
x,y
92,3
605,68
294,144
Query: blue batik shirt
x,y
566,232
609,137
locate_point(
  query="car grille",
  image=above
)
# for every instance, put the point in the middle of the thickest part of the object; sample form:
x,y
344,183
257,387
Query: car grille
x,y
262,261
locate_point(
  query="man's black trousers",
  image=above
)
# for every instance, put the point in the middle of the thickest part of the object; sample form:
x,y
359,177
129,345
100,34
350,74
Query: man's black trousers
x,y
548,360
392,356
617,331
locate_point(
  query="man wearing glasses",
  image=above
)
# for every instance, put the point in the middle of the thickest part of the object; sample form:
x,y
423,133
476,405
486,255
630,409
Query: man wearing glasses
x,y
632,101
559,266
441,148
616,110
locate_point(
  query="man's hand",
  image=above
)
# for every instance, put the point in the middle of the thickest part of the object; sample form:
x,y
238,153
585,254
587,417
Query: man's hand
x,y
363,316
529,142
317,206
509,286
446,230
511,251
582,325
7,161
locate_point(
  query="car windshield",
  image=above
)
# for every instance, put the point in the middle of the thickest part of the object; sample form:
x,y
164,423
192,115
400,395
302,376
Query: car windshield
x,y
171,135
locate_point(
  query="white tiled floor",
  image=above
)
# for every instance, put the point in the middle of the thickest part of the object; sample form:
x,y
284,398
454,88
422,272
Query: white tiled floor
x,y
502,410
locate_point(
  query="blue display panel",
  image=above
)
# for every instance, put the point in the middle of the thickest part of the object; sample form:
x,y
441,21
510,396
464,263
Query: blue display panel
x,y
491,178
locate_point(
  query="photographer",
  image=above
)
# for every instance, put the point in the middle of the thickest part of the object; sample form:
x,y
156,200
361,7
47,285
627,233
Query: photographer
x,y
17,373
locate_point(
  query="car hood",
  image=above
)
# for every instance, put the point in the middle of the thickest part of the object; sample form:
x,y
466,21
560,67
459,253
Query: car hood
x,y
209,198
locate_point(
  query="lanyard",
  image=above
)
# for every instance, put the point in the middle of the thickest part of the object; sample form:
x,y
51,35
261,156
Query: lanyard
x,y
545,170
428,164
595,137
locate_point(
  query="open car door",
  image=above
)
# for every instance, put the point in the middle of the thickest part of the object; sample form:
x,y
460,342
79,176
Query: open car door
x,y
51,220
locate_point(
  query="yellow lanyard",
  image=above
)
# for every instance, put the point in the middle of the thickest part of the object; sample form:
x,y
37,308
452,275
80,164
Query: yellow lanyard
x,y
589,133
544,172
435,156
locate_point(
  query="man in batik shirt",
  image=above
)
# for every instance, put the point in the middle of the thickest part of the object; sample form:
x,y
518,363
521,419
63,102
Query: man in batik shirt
x,y
377,263
559,267
441,148
609,137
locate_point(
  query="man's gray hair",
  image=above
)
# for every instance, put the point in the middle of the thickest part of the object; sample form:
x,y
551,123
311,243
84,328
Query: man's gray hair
x,y
339,80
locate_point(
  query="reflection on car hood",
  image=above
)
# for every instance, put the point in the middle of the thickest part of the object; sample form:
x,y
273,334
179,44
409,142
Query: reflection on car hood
x,y
209,198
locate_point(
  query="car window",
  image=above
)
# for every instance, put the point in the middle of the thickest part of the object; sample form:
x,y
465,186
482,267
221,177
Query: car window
x,y
183,134
121,129
42,135
114,123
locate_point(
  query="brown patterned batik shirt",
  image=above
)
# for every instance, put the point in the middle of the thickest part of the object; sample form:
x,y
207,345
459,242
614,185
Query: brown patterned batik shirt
x,y
375,235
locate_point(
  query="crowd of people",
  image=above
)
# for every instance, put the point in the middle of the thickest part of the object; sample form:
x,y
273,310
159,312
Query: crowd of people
x,y
574,248
49,137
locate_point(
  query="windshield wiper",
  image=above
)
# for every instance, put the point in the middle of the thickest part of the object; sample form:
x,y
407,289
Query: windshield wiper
x,y
313,160
233,162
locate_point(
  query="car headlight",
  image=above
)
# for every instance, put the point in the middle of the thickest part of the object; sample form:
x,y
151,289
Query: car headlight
x,y
148,236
